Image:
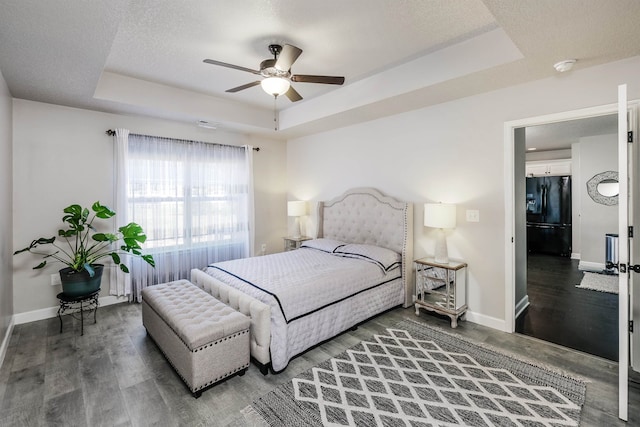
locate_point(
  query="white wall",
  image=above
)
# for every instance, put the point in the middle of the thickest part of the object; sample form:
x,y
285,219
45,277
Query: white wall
x,y
452,152
597,154
63,156
548,155
6,215
576,201
520,224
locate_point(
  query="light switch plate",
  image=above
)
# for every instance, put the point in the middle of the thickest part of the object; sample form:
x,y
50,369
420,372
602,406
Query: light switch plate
x,y
473,215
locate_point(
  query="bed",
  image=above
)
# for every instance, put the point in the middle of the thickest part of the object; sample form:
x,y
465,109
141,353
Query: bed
x,y
359,265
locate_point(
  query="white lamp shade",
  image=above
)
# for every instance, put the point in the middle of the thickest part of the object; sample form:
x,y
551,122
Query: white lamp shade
x,y
275,86
297,208
439,215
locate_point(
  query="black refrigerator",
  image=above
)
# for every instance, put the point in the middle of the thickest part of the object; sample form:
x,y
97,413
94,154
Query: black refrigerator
x,y
549,215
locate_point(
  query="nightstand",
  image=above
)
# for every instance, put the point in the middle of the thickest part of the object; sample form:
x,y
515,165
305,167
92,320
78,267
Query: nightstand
x,y
441,287
292,243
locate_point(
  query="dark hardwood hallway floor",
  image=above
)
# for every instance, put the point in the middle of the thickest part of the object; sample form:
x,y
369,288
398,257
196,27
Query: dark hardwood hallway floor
x,y
560,313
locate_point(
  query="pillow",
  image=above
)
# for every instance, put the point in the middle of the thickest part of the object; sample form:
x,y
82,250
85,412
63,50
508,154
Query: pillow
x,y
324,245
384,258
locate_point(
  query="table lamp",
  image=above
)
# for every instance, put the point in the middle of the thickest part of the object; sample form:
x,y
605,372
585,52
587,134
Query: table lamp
x,y
440,215
297,209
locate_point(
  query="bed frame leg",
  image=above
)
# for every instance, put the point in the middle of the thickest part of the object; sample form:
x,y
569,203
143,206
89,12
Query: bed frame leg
x,y
264,369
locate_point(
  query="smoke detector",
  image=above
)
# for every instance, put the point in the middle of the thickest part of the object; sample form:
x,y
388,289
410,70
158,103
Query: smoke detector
x,y
565,65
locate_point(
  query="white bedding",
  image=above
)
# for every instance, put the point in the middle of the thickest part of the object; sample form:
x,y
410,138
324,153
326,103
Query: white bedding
x,y
313,295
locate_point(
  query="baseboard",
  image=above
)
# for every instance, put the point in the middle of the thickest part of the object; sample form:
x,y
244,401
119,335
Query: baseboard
x,y
575,255
5,340
488,321
48,313
522,305
590,266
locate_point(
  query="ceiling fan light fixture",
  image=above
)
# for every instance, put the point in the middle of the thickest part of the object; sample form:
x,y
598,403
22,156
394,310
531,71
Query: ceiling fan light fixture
x,y
276,73
275,86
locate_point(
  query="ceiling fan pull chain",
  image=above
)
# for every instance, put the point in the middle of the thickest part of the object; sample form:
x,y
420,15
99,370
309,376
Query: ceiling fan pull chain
x,y
275,113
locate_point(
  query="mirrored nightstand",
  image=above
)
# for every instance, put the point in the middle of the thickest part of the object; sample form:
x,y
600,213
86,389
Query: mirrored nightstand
x,y
292,243
441,287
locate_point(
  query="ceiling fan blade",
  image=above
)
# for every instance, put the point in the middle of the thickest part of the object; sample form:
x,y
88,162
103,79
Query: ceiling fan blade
x,y
329,80
293,94
287,57
235,67
243,87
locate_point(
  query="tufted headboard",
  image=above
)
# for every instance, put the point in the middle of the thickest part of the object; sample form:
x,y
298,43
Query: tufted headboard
x,y
364,215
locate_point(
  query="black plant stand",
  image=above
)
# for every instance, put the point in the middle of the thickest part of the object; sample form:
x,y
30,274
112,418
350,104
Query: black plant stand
x,y
80,304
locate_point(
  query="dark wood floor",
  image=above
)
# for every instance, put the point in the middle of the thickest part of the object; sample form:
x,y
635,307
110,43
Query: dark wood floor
x,y
560,313
115,375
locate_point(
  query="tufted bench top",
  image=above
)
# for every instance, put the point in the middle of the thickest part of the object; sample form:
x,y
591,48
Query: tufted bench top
x,y
193,314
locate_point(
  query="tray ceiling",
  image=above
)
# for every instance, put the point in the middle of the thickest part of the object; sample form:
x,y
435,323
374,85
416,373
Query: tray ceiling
x,y
145,57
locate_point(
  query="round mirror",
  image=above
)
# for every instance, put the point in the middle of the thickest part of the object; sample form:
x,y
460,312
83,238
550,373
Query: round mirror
x,y
608,188
603,188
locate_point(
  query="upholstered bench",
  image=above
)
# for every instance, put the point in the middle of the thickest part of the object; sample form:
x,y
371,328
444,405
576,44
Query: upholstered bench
x,y
204,340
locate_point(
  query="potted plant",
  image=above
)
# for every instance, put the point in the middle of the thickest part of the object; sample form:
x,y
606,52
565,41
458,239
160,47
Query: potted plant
x,y
80,247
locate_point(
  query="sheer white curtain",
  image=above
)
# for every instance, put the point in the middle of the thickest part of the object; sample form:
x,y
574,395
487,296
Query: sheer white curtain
x,y
119,282
195,202
251,210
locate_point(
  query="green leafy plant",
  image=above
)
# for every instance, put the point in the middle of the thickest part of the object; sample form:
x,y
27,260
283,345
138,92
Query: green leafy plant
x,y
81,246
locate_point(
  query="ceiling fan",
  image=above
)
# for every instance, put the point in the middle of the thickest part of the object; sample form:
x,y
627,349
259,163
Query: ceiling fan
x,y
277,73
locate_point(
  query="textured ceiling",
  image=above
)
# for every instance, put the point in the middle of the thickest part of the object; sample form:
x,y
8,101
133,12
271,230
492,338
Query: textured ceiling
x,y
560,135
334,38
145,56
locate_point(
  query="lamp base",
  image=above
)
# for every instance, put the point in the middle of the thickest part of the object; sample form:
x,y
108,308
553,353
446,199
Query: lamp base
x,y
441,252
296,229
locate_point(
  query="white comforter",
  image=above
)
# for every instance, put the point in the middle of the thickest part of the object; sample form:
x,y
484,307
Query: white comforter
x,y
313,294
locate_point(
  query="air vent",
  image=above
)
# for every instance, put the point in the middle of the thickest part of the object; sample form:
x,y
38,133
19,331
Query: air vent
x,y
207,125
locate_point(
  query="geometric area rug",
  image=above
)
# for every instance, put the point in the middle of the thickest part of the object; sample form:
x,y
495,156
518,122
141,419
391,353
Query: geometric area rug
x,y
415,375
600,282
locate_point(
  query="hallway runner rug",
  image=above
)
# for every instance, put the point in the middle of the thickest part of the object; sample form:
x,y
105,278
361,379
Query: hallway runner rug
x,y
415,375
599,282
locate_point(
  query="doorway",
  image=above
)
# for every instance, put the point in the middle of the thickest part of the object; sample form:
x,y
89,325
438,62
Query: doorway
x,y
629,217
515,213
565,236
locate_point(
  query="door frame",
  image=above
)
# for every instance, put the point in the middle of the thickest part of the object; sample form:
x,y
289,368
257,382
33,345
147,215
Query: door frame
x,y
626,167
626,343
509,196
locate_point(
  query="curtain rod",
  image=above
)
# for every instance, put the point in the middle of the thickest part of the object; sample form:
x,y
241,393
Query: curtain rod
x,y
112,132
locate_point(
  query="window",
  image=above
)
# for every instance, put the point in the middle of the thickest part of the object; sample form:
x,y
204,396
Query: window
x,y
193,201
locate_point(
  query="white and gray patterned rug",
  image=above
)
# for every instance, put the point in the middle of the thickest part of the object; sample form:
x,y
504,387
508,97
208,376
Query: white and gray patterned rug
x,y
415,375
599,282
